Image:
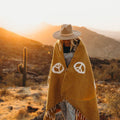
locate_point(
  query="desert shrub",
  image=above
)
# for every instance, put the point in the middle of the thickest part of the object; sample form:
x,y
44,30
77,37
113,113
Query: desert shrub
x,y
1,72
113,100
114,71
11,80
99,76
4,92
107,72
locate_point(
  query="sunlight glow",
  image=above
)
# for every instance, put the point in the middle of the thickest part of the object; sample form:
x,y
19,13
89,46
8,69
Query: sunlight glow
x,y
24,15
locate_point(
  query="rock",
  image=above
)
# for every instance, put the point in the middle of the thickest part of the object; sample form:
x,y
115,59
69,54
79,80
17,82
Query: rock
x,y
31,109
20,91
21,97
34,87
39,117
1,100
36,96
104,116
10,107
100,82
99,100
103,107
44,108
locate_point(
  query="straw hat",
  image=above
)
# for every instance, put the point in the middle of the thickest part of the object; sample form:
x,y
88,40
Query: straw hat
x,y
66,33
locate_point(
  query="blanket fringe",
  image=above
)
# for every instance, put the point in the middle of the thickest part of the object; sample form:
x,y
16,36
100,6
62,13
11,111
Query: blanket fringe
x,y
79,115
50,114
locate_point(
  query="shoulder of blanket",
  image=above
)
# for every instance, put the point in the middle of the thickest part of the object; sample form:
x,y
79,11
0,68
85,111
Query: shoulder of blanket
x,y
56,43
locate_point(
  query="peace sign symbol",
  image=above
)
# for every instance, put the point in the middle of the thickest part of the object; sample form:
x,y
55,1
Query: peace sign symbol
x,y
79,67
58,68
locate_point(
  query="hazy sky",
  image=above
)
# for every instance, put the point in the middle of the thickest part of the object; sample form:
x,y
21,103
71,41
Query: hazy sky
x,y
23,15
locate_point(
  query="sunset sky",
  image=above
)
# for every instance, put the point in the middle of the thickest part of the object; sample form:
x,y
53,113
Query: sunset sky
x,y
23,15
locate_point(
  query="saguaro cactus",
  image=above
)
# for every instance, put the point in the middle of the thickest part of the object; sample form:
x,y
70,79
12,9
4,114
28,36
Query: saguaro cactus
x,y
22,68
25,65
1,68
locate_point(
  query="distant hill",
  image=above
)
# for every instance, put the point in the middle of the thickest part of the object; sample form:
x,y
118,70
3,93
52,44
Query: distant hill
x,y
97,45
112,34
12,44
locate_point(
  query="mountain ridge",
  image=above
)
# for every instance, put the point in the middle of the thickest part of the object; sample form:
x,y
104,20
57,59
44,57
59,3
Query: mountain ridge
x,y
98,45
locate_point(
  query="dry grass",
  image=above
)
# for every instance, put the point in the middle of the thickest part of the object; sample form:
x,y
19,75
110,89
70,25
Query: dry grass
x,y
107,72
21,114
11,80
4,92
113,100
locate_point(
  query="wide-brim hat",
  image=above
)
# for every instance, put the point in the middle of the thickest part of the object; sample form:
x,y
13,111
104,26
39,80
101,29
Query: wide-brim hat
x,y
66,32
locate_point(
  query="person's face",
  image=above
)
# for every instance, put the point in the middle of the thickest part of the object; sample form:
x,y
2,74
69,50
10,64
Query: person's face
x,y
67,43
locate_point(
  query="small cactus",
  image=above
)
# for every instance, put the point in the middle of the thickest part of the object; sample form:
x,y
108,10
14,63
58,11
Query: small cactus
x,y
20,68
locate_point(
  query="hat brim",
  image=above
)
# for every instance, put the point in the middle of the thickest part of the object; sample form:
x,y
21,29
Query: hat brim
x,y
57,35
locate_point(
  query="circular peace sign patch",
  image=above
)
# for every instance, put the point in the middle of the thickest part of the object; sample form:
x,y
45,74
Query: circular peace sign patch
x,y
80,67
58,68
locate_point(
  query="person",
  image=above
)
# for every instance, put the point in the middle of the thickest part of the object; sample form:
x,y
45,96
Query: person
x,y
71,81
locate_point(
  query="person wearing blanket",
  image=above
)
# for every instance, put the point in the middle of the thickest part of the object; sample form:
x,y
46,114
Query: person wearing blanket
x,y
71,82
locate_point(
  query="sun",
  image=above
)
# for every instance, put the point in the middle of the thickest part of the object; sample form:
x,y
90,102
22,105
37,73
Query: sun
x,y
21,16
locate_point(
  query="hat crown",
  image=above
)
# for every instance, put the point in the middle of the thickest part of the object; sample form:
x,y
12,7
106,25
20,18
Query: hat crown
x,y
66,33
66,29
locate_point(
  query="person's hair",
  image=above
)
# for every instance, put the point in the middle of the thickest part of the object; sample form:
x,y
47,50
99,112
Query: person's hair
x,y
72,43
